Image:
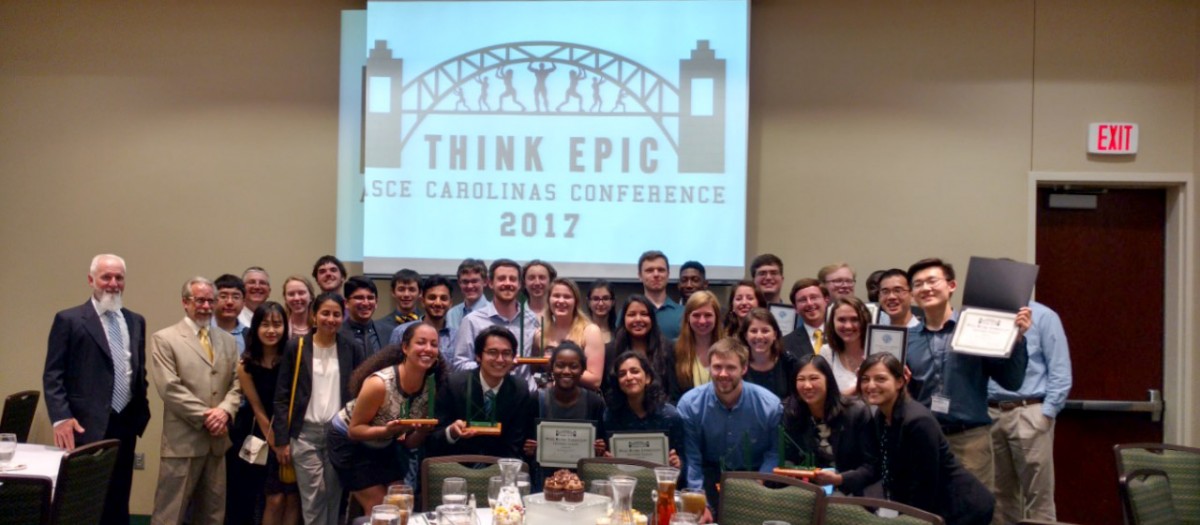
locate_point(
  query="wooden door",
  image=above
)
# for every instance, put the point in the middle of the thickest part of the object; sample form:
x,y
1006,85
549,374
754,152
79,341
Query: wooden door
x,y
1103,271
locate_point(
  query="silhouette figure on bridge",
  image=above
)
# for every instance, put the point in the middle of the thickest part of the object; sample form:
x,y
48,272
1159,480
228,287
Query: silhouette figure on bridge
x,y
620,102
506,75
541,102
573,89
462,100
597,102
483,94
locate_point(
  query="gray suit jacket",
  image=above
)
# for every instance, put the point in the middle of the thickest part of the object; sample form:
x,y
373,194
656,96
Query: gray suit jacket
x,y
189,383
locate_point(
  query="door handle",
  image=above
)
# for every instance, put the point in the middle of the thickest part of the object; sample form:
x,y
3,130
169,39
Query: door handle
x,y
1153,406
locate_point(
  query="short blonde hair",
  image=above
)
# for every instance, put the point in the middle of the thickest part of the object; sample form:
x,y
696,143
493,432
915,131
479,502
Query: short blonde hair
x,y
730,347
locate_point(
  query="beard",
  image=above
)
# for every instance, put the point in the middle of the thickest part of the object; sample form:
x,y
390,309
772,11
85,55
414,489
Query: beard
x,y
109,302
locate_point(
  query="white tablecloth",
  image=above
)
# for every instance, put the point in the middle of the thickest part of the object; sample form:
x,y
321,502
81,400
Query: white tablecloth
x,y
39,460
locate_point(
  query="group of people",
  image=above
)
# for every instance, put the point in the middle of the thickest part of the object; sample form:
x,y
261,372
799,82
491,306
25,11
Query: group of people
x,y
348,402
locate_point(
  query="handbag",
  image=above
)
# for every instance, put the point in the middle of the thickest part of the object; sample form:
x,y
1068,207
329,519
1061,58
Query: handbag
x,y
287,473
254,450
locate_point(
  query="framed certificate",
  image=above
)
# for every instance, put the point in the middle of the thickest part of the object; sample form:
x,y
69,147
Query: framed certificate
x,y
785,315
987,333
561,444
652,447
887,339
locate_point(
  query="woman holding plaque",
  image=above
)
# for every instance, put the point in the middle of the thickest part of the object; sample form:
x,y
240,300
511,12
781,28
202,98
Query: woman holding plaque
x,y
827,431
258,373
395,388
639,332
701,328
845,346
297,295
568,322
743,297
314,381
915,461
639,403
600,306
566,399
770,367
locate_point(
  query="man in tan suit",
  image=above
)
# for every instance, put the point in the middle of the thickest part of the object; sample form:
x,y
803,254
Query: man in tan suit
x,y
193,367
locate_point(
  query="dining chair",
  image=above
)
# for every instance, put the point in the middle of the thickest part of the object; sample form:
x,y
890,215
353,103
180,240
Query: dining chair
x,y
475,469
842,510
746,499
19,409
24,500
593,469
82,483
1042,522
1181,465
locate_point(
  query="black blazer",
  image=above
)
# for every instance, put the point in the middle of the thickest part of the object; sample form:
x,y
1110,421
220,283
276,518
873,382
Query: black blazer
x,y
350,354
924,473
78,376
797,343
515,411
851,436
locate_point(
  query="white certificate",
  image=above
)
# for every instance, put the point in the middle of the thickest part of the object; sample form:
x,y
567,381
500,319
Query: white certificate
x,y
785,316
987,333
888,340
561,444
652,447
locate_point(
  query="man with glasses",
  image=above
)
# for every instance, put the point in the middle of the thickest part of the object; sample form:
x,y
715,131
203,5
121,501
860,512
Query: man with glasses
x,y
839,279
955,386
895,299
767,272
472,279
471,401
258,291
194,369
362,297
231,293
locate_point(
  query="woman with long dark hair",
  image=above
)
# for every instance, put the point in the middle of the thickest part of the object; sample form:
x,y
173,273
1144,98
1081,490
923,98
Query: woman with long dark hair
x,y
828,431
743,297
639,403
600,308
258,373
915,461
845,332
639,332
396,383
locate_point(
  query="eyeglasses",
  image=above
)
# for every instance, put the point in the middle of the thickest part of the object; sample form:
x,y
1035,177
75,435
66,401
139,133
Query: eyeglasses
x,y
768,273
930,282
888,292
202,300
601,299
493,354
840,281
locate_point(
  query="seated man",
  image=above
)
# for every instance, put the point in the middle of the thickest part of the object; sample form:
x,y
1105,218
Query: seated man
x,y
487,396
728,424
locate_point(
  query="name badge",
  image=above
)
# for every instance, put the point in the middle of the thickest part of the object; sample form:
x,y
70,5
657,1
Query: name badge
x,y
940,404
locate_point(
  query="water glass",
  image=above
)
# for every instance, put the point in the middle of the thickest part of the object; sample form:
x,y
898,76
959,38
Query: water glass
x,y
454,491
8,448
494,484
523,483
401,496
685,518
455,515
602,487
385,515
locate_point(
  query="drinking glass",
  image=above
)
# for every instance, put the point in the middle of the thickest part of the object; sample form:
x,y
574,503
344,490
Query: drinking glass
x,y
455,515
454,491
8,449
494,484
693,501
523,483
602,487
385,515
685,518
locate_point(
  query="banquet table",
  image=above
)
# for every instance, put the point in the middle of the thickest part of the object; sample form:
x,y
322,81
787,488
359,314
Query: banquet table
x,y
36,460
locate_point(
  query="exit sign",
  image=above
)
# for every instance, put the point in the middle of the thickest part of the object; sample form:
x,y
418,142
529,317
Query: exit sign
x,y
1112,138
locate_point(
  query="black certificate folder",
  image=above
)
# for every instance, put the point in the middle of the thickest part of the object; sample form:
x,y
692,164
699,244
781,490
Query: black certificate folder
x,y
999,284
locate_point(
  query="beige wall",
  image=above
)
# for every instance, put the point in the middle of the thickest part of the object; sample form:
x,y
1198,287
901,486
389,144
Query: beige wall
x,y
201,138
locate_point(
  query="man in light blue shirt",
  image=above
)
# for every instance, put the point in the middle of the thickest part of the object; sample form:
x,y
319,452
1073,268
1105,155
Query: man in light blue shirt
x,y
1023,423
472,279
503,311
728,424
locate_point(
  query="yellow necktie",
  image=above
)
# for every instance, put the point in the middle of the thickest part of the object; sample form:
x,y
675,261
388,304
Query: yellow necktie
x,y
817,342
206,343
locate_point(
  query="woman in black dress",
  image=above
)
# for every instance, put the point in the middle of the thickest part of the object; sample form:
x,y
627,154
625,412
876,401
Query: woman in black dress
x,y
769,367
915,461
258,374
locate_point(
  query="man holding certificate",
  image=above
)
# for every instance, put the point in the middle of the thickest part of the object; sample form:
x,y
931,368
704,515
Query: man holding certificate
x,y
954,385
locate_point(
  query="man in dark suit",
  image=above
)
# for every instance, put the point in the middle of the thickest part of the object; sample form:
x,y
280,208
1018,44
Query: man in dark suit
x,y
810,298
471,399
95,377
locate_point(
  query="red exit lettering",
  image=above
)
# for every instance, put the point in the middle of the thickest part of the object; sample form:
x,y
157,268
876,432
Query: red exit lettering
x,y
1114,137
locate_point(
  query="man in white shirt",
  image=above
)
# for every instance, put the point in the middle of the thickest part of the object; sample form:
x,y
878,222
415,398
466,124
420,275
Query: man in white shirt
x,y
810,299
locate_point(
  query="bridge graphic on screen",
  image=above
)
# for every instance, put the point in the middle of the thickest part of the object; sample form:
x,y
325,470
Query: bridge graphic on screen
x,y
496,80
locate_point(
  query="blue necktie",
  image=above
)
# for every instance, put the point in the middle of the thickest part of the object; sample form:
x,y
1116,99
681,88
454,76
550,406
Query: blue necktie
x,y
489,402
120,395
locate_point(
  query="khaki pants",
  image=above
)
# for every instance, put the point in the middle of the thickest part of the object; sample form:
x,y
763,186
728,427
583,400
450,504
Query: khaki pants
x,y
180,480
320,490
1023,440
973,448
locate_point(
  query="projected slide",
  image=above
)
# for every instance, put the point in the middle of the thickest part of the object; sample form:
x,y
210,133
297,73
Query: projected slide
x,y
579,132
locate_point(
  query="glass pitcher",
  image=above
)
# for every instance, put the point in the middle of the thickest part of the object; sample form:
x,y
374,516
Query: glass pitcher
x,y
664,505
622,494
509,509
